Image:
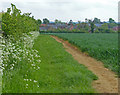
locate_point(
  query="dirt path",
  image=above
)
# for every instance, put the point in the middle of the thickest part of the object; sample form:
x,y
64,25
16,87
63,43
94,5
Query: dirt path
x,y
107,82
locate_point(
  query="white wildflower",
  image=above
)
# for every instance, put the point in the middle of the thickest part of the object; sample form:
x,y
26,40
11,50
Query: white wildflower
x,y
35,81
38,86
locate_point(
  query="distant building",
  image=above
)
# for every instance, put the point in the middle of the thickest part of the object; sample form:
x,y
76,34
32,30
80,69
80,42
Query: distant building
x,y
53,26
50,26
98,25
115,28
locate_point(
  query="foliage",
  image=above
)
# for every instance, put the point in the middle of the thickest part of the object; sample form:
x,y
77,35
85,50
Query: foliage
x,y
0,21
14,23
111,25
58,21
103,47
107,27
18,56
45,21
18,60
70,22
0,16
39,21
104,28
92,26
111,20
96,31
83,27
96,20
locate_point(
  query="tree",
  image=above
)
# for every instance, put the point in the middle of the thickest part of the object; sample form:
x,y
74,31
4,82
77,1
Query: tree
x,y
70,22
79,22
45,21
92,26
86,20
14,23
96,20
27,14
111,20
39,21
104,28
83,26
57,21
111,25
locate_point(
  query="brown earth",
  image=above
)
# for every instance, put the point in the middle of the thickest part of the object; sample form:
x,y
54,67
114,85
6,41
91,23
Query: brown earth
x,y
107,81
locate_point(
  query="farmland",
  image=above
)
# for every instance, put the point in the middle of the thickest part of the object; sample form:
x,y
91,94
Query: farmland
x,y
41,63
103,47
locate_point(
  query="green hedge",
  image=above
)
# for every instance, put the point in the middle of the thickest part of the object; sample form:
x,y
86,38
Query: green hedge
x,y
15,23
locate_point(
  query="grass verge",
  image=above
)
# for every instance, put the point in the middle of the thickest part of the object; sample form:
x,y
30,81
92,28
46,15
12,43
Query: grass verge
x,y
59,72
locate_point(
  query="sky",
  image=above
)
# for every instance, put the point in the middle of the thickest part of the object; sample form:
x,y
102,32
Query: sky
x,y
65,10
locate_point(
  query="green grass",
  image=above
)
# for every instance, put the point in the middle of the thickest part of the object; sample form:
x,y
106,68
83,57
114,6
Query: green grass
x,y
102,46
58,73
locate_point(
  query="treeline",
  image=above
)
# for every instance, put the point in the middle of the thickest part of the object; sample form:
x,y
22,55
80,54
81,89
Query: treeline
x,y
85,28
92,26
14,23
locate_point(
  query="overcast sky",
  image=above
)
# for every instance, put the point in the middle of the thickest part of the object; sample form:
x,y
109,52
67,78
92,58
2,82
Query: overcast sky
x,y
65,10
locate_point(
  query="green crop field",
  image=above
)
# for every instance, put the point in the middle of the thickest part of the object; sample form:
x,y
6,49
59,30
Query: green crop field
x,y
103,47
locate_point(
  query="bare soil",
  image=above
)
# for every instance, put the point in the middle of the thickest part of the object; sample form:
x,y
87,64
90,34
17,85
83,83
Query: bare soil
x,y
107,81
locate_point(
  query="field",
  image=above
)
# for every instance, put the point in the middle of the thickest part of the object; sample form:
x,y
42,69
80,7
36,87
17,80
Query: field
x,y
103,47
58,73
35,58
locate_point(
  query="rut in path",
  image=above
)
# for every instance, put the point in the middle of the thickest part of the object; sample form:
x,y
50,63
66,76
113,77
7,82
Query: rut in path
x,y
107,82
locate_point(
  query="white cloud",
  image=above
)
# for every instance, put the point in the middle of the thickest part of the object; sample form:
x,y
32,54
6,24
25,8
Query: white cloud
x,y
66,9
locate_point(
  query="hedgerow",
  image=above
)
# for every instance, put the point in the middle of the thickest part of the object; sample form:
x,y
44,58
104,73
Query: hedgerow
x,y
14,23
18,57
